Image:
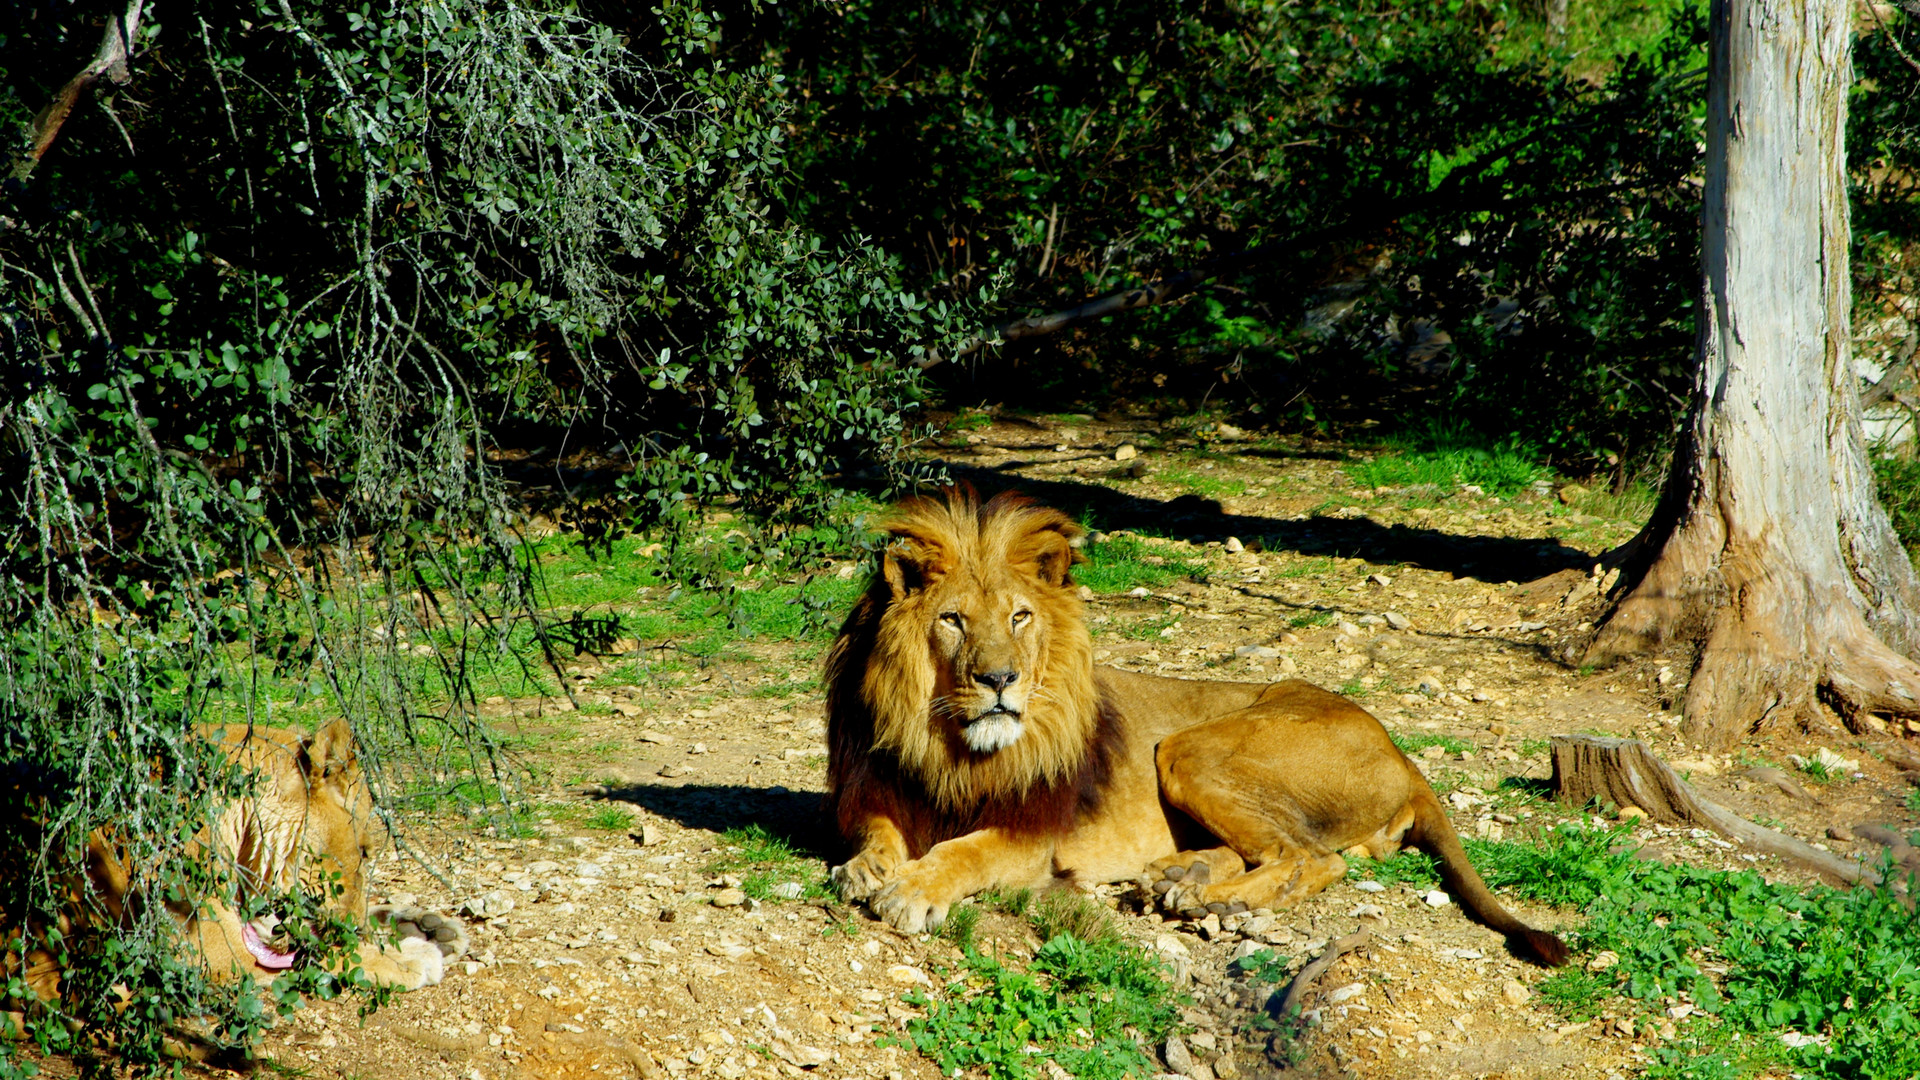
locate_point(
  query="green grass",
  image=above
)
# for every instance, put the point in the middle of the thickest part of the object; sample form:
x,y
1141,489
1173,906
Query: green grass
x,y
1446,455
1207,487
765,862
1120,563
1412,742
1756,958
1088,1003
610,819
1898,479
1535,747
1817,770
1148,629
1312,618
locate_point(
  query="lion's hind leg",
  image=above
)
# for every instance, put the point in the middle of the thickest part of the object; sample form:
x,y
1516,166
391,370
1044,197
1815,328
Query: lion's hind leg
x,y
1278,879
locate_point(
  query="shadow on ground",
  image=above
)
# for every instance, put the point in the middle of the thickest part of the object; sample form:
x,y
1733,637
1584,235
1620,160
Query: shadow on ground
x,y
792,816
1190,517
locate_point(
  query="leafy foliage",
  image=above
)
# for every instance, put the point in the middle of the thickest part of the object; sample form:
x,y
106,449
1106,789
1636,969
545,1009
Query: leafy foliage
x,y
1756,958
1077,1001
1467,224
279,312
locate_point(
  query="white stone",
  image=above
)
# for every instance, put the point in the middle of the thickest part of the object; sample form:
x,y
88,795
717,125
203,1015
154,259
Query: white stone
x,y
1346,993
1369,886
1437,898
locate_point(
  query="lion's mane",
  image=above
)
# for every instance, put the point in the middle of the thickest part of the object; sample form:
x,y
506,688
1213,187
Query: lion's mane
x,y
887,738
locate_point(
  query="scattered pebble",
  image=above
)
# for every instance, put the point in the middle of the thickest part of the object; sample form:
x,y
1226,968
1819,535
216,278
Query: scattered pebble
x,y
1437,898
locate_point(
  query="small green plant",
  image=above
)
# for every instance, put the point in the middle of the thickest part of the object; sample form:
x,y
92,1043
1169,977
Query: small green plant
x,y
610,819
1013,902
1064,912
1574,993
1207,487
1266,966
1817,769
1449,455
1354,688
1149,628
1311,618
1899,482
1088,1006
1412,742
1535,747
1124,562
962,921
769,867
1913,800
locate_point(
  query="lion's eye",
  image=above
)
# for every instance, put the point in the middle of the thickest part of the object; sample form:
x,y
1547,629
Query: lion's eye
x,y
1021,618
951,618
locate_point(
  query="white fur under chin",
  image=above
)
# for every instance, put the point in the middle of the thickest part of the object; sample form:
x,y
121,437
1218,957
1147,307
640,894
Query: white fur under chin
x,y
995,731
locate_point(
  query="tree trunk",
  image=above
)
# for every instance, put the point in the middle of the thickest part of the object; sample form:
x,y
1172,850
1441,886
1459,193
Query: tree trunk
x,y
1769,553
1556,11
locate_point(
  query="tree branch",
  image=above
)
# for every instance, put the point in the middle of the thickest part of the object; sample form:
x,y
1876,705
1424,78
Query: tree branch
x,y
1178,285
110,59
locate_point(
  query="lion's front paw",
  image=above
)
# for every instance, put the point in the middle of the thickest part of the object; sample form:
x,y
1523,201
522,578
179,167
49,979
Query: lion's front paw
x,y
909,908
446,934
865,874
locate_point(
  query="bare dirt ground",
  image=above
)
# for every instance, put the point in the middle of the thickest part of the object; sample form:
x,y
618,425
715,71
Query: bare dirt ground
x,y
625,953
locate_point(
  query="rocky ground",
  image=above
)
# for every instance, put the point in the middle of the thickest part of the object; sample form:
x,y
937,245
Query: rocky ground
x,y
612,947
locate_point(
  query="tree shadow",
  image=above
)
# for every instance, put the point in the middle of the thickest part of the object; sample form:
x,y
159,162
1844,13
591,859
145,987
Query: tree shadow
x,y
1194,518
790,816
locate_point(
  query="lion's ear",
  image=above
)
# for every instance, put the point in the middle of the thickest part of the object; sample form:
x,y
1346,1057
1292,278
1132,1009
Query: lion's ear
x,y
1055,555
328,757
911,565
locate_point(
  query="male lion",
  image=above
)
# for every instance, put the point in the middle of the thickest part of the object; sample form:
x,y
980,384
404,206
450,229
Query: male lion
x,y
309,821
974,744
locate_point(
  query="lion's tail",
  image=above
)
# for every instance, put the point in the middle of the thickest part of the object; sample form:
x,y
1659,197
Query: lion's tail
x,y
1434,834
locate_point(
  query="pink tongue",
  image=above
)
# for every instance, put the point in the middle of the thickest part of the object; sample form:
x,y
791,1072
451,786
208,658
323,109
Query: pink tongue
x,y
262,955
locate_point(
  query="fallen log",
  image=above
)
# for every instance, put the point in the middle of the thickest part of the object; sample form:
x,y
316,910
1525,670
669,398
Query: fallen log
x,y
1625,772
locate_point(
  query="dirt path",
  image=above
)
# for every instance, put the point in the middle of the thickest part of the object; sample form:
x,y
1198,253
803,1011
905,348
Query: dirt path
x,y
627,952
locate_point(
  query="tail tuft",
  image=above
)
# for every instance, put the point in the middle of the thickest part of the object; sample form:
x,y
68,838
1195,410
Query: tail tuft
x,y
1544,947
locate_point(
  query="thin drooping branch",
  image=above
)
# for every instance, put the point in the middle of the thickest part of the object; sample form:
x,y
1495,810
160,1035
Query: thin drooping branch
x,y
110,59
1175,286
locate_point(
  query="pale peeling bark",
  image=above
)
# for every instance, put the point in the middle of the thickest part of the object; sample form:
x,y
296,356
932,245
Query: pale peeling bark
x,y
1770,550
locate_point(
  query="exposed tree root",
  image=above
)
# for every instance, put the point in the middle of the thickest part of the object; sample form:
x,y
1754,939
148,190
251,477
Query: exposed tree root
x,y
1625,772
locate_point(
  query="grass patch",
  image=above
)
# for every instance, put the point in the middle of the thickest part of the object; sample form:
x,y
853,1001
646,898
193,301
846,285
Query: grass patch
x,y
1759,960
1446,455
786,689
1207,487
1148,629
1899,482
1311,618
1412,742
766,863
1079,1003
1124,562
610,819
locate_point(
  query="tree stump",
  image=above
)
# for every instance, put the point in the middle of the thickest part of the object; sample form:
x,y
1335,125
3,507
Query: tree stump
x,y
1624,772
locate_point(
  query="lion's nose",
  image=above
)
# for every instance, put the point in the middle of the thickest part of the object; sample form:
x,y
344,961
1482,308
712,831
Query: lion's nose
x,y
996,681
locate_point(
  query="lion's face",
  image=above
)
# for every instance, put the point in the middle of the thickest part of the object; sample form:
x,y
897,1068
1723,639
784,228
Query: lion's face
x,y
313,819
988,640
979,672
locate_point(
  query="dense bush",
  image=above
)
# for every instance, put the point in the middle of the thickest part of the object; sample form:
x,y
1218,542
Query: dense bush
x,y
274,304
1452,213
